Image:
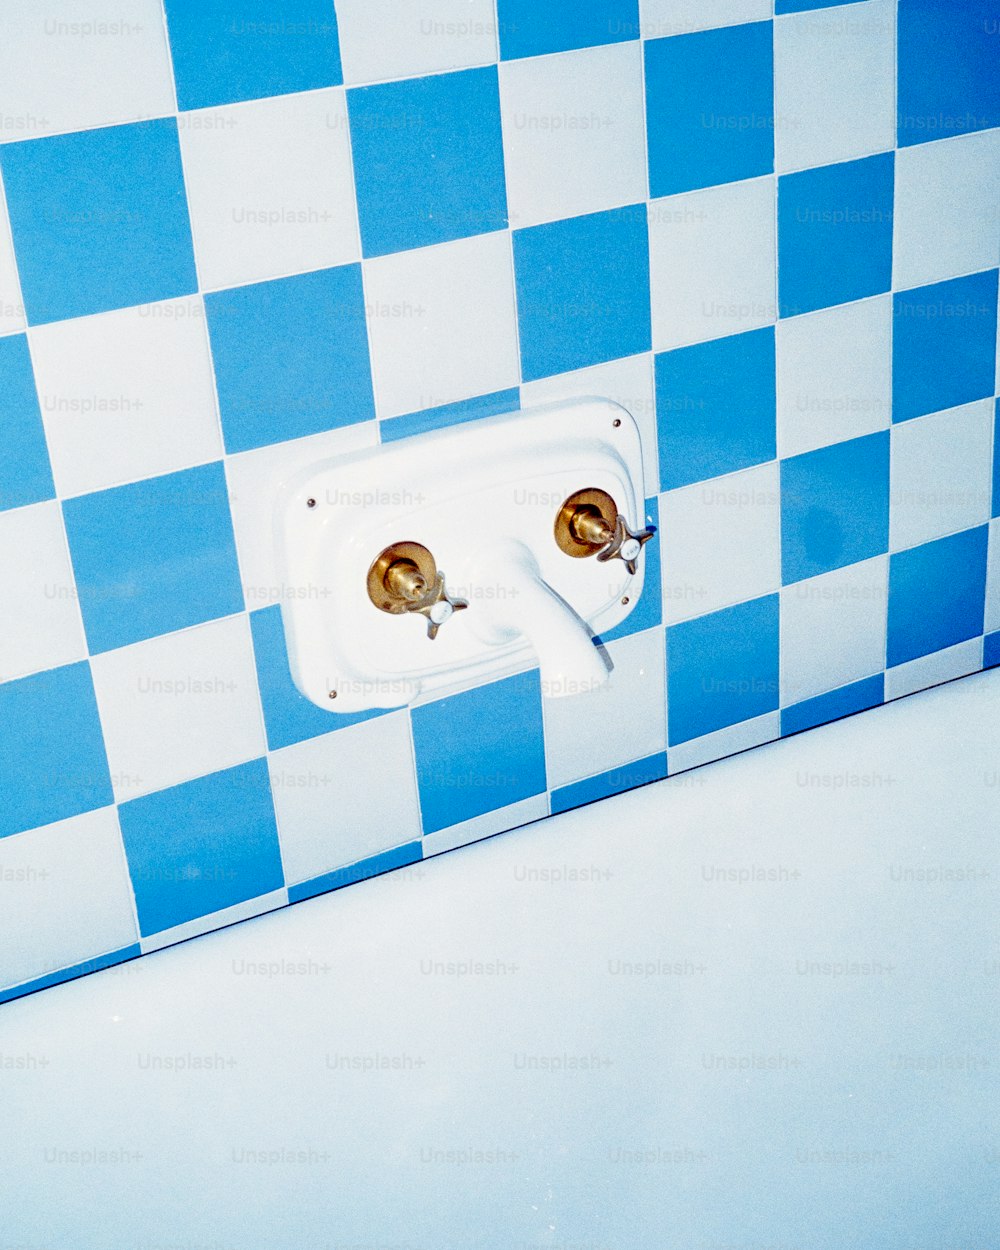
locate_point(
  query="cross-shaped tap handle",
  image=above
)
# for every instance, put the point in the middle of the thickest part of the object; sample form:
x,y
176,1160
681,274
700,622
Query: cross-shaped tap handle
x,y
438,606
589,530
625,544
405,578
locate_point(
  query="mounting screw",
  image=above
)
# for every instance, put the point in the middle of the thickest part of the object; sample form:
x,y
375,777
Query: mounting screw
x,y
333,694
616,423
625,601
310,503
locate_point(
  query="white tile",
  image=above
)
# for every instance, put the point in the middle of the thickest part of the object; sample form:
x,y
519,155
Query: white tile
x,y
126,394
628,382
40,625
833,629
254,479
721,542
712,262
947,212
270,187
662,18
11,304
834,375
65,896
258,906
616,724
573,132
932,670
485,826
345,796
729,741
993,580
406,38
941,475
179,706
442,323
81,63
834,84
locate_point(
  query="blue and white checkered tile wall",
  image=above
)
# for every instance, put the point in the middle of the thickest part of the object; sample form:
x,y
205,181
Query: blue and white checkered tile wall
x,y
236,235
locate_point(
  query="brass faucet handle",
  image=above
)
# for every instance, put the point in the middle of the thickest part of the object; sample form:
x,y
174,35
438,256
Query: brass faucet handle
x,y
405,578
438,606
589,524
625,544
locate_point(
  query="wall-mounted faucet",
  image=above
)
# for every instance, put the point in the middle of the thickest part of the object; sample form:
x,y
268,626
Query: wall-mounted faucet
x,y
404,578
512,506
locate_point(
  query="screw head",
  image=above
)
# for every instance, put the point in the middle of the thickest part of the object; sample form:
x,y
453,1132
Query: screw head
x,y
625,601
616,423
310,503
333,694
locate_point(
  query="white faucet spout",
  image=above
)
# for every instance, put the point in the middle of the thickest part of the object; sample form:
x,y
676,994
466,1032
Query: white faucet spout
x,y
522,602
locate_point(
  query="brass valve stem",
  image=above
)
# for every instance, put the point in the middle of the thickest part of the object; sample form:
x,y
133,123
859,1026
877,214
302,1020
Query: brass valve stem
x,y
590,527
404,579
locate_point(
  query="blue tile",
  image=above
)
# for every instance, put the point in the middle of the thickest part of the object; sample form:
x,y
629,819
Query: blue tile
x,y
99,219
937,595
834,506
648,612
291,357
991,650
857,697
996,462
479,750
289,717
153,556
373,866
715,407
25,473
615,781
582,291
229,50
806,6
722,669
944,340
70,974
428,160
949,78
528,28
835,234
705,123
52,760
201,846
450,414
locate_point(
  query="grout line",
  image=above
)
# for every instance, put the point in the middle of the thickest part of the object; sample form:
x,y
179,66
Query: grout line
x,y
165,32
83,130
130,885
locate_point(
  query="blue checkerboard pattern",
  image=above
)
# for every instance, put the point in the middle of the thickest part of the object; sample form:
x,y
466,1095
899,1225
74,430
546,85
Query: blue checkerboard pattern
x,y
253,235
